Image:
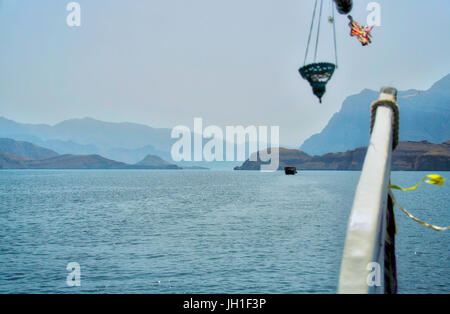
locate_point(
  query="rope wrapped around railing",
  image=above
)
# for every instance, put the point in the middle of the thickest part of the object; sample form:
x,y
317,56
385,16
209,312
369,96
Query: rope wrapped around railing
x,y
389,91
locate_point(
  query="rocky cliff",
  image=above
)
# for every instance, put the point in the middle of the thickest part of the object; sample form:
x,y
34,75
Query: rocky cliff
x,y
424,115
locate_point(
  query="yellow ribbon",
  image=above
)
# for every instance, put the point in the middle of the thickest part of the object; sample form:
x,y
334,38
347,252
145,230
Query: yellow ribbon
x,y
430,179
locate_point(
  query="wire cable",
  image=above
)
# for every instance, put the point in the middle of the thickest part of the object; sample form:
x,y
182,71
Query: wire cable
x,y
318,31
310,32
334,34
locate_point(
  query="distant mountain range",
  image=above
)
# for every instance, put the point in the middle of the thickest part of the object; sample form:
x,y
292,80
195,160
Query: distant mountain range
x,y
88,131
24,155
408,156
124,142
424,115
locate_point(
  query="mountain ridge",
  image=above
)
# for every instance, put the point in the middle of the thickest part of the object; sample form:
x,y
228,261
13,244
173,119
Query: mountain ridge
x,y
424,115
408,156
64,139
25,149
9,159
89,131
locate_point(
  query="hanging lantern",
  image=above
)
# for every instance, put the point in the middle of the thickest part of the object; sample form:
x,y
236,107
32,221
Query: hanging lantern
x,y
318,75
344,6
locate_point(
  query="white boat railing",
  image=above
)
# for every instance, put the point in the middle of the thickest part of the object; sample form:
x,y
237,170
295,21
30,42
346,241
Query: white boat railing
x,y
363,263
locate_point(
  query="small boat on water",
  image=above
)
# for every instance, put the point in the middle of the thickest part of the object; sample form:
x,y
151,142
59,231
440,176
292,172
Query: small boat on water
x,y
290,170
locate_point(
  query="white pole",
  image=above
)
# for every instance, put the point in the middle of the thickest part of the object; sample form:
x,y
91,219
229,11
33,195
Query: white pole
x,y
366,230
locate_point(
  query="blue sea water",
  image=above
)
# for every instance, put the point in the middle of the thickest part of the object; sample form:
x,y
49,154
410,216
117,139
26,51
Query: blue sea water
x,y
142,231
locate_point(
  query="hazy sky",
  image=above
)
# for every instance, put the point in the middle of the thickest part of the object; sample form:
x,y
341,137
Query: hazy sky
x,y
164,62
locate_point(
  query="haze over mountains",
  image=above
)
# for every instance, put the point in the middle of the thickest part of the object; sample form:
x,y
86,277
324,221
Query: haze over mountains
x,y
126,142
423,116
24,155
